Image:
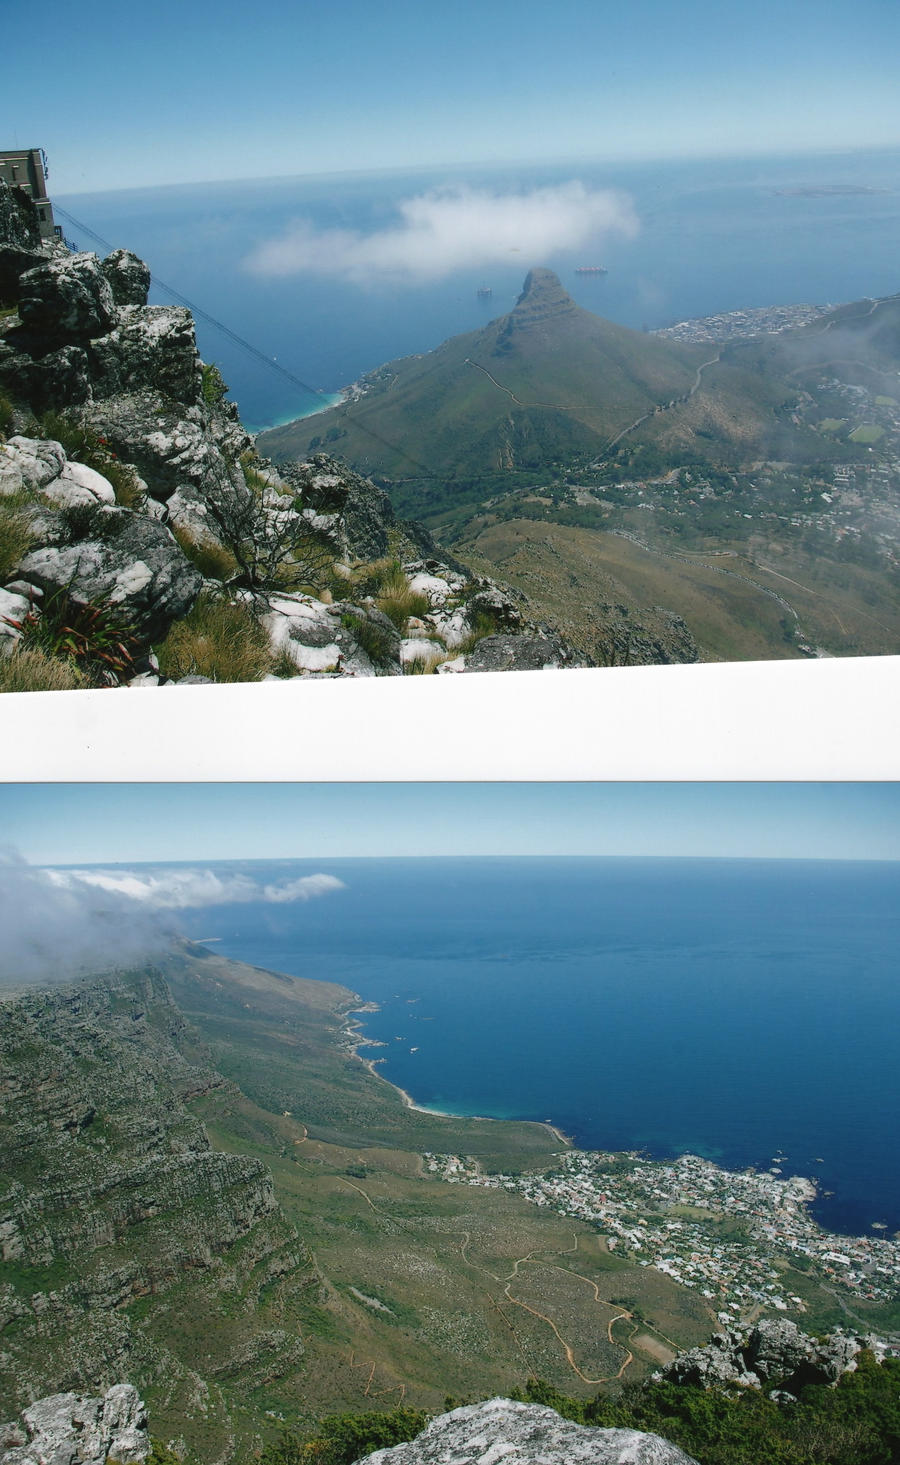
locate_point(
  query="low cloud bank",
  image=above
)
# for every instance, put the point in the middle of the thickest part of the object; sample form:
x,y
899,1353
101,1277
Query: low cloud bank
x,y
59,924
452,229
172,890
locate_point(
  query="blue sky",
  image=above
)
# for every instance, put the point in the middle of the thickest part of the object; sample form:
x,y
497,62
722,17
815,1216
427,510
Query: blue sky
x,y
107,823
127,96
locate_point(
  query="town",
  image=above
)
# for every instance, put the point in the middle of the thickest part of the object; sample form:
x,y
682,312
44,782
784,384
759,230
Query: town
x,y
722,1232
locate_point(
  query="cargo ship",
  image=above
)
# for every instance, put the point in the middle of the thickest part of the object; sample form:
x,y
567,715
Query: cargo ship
x,y
591,270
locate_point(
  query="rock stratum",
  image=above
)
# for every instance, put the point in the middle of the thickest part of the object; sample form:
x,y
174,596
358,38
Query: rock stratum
x,y
116,1213
145,541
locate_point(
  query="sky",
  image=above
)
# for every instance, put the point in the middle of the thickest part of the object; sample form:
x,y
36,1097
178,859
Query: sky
x,y
124,96
47,824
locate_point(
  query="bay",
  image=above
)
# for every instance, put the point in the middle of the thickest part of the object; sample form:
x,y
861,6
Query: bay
x,y
743,1010
715,235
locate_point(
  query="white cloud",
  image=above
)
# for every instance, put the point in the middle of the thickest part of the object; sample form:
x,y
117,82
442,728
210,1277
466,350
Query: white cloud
x,y
57,924
179,889
452,229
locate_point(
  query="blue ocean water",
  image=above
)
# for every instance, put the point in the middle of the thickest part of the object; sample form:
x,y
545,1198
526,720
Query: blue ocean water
x,y
737,1009
714,236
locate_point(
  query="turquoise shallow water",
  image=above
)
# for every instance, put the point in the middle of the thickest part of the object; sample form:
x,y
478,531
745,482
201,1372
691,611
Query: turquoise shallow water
x,y
737,1009
714,236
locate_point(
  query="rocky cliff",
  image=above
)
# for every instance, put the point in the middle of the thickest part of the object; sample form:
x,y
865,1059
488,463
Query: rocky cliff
x,y
129,1246
144,540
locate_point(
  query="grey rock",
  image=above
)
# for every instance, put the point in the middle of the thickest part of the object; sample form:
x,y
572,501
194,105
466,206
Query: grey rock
x,y
170,445
517,653
777,1349
47,379
29,463
66,1429
67,299
19,224
151,348
525,1434
496,603
21,247
364,511
127,560
718,1362
775,1352
128,276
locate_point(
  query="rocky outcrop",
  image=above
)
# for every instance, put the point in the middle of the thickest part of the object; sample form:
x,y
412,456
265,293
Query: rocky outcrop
x,y
525,1434
123,560
128,276
66,1429
519,653
775,1354
202,509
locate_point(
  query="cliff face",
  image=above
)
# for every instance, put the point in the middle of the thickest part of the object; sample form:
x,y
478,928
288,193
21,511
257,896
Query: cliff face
x,y
130,489
125,1238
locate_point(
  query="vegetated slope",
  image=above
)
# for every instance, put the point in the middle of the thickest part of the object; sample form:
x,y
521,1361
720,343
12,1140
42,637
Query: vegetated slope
x,y
739,498
241,1264
527,390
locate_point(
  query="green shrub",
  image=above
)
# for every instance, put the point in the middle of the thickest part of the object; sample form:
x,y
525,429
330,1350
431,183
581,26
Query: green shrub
x,y
341,1439
374,640
212,386
98,637
220,639
481,625
28,669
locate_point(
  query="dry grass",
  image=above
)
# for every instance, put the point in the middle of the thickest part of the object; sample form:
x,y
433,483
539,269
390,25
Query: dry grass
x,y
28,669
426,666
15,531
221,640
214,561
482,625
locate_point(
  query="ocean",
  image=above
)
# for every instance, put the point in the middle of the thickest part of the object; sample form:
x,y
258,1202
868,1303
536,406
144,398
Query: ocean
x,y
714,235
742,1010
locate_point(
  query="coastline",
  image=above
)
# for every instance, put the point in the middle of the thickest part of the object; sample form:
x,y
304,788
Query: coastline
x,y
326,401
353,1030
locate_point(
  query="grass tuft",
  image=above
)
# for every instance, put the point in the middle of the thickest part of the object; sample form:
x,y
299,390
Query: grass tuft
x,y
15,531
29,669
373,639
214,561
482,625
219,639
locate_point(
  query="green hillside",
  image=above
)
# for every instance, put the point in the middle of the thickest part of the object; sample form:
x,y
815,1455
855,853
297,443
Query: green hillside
x,y
527,391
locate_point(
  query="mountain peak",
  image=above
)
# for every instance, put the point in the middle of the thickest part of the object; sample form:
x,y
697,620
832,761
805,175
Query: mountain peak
x,y
542,295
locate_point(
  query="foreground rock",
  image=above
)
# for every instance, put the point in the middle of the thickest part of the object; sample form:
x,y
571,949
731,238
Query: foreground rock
x,y
66,1428
526,1434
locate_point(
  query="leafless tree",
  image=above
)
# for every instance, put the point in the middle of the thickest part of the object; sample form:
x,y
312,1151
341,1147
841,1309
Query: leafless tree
x,y
276,546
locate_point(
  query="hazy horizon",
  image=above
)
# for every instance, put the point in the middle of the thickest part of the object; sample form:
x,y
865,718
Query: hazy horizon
x,y
280,92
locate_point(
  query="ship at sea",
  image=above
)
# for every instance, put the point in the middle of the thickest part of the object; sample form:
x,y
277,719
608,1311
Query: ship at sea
x,y
484,293
591,270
